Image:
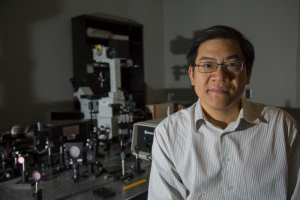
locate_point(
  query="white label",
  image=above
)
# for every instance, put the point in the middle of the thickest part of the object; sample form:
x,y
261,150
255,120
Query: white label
x,y
148,132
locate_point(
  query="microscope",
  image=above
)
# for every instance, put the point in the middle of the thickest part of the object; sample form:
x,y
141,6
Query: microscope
x,y
105,110
107,117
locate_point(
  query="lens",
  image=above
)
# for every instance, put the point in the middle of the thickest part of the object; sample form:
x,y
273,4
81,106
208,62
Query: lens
x,y
89,157
122,154
234,66
36,175
74,151
207,67
21,160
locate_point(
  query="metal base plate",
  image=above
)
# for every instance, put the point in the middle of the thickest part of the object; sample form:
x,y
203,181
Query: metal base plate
x,y
62,187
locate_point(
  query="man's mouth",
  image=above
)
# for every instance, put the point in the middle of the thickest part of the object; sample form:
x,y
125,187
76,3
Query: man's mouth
x,y
219,90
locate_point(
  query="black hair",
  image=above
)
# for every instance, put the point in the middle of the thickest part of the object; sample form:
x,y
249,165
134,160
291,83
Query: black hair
x,y
221,32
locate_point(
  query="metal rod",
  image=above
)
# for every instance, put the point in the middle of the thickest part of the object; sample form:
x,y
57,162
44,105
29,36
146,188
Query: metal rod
x,y
24,166
123,167
37,186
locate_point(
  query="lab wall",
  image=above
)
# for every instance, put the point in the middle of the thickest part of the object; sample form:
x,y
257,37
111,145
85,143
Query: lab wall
x,y
36,49
36,56
150,14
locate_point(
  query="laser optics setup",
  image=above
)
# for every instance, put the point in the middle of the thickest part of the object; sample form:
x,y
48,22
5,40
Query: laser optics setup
x,y
76,169
81,151
66,155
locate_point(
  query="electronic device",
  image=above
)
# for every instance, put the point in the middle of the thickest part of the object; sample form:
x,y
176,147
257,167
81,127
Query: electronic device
x,y
65,130
143,134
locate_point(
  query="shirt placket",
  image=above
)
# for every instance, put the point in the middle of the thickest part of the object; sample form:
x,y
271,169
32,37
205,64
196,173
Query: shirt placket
x,y
229,184
232,175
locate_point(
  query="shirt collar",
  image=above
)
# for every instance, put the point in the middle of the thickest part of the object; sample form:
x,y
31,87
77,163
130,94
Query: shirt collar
x,y
247,112
199,115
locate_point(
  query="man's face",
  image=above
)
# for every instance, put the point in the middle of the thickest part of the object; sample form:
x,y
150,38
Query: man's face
x,y
222,89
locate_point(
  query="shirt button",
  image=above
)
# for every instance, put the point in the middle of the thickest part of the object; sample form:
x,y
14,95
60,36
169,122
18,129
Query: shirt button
x,y
227,159
230,187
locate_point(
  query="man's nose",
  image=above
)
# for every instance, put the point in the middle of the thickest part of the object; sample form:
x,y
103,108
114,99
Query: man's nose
x,y
221,73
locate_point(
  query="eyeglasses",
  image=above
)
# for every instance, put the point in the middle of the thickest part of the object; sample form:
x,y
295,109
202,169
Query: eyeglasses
x,y
208,67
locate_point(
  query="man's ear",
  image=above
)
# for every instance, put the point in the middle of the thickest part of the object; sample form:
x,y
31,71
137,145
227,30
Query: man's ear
x,y
191,74
248,76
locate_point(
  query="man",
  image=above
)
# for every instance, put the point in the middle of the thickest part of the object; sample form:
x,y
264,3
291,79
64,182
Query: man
x,y
223,146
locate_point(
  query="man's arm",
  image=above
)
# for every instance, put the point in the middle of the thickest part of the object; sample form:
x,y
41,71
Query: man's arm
x,y
165,182
294,165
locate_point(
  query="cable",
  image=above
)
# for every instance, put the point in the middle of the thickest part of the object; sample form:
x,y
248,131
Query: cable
x,y
141,111
127,94
43,151
297,69
5,133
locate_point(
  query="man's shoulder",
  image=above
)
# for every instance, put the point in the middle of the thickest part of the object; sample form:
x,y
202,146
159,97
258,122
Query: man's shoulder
x,y
180,115
181,118
272,112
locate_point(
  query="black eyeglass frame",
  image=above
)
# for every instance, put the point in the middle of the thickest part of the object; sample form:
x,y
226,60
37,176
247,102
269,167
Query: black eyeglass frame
x,y
224,65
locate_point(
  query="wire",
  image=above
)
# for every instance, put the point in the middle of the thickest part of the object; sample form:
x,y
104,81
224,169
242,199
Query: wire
x,y
141,111
126,93
42,152
5,133
298,69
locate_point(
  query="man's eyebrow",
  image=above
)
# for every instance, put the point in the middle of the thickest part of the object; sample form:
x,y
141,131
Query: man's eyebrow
x,y
207,58
230,57
234,56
